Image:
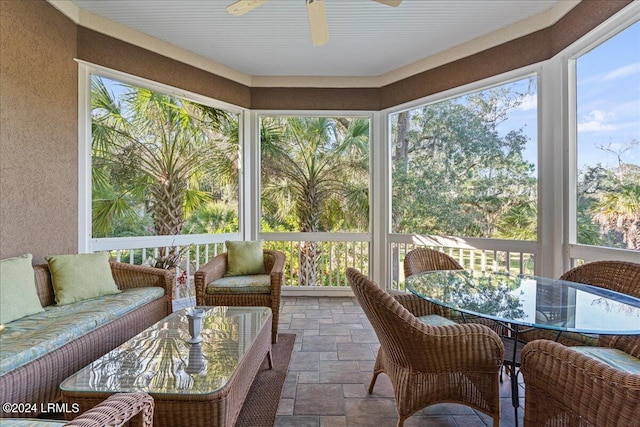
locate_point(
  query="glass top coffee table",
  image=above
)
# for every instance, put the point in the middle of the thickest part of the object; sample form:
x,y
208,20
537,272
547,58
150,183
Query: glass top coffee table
x,y
202,384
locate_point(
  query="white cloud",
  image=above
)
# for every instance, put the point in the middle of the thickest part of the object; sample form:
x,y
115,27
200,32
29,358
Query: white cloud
x,y
529,102
621,72
595,122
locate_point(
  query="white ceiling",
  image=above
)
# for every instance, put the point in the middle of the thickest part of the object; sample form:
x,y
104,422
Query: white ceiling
x,y
366,37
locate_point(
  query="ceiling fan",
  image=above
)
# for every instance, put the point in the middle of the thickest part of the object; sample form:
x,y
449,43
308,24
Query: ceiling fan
x,y
315,12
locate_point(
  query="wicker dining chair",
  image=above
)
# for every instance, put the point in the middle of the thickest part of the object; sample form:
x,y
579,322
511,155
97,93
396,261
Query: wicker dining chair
x,y
568,386
430,364
424,259
619,276
420,260
565,388
216,268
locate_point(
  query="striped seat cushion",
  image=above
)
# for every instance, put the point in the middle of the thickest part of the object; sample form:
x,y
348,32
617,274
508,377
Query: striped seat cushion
x,y
33,336
257,283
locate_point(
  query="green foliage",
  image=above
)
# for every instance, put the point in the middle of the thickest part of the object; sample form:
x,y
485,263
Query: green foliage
x,y
609,202
157,159
315,173
212,218
453,173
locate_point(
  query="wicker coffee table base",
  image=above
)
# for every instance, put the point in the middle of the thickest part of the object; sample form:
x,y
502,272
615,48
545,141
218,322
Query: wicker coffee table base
x,y
219,408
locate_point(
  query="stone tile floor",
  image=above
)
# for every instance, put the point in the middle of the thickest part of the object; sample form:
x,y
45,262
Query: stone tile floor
x,y
331,368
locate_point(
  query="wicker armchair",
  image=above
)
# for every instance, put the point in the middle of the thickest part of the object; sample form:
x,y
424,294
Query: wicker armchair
x,y
216,268
425,259
430,364
619,276
116,410
131,409
420,260
567,388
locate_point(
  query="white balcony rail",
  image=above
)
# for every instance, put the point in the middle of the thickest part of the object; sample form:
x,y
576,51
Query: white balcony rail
x,y
475,254
318,261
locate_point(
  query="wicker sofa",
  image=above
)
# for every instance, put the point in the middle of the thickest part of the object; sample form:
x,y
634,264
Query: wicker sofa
x,y
39,351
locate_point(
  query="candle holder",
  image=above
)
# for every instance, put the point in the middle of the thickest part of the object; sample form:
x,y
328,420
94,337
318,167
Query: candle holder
x,y
194,315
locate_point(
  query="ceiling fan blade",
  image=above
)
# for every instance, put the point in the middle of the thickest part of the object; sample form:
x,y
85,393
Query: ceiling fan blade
x,y
243,6
317,22
392,3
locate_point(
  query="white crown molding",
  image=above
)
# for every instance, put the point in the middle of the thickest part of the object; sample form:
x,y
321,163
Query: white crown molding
x,y
118,31
126,34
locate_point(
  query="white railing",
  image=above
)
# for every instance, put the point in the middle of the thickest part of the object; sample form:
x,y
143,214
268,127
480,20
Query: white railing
x,y
476,254
334,252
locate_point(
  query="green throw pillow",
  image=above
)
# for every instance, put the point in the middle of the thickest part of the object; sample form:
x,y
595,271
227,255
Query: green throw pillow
x,y
81,276
18,294
244,258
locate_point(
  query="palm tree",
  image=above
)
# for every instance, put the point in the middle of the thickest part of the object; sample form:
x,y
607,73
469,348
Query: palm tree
x,y
619,212
316,170
152,153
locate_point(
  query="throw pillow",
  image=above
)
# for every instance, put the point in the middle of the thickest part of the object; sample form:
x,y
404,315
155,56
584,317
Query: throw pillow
x,y
79,277
18,294
244,258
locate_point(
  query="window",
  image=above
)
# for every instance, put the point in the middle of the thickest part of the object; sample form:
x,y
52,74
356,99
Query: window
x,y
161,164
314,179
608,142
315,174
466,166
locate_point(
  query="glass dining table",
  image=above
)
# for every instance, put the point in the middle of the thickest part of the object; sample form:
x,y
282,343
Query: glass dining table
x,y
519,302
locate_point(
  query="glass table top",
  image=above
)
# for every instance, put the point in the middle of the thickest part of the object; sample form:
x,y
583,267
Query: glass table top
x,y
160,360
531,301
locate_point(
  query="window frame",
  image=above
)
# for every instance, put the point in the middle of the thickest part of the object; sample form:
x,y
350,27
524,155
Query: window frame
x,y
86,242
575,252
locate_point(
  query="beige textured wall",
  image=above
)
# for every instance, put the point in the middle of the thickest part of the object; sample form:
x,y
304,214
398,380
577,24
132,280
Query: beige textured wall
x,y
38,130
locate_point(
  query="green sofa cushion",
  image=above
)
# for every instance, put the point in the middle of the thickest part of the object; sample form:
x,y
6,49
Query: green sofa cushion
x,y
18,294
244,258
79,277
33,336
257,283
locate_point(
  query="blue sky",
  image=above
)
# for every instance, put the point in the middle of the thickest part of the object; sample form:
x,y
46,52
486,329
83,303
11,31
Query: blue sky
x,y
608,104
608,107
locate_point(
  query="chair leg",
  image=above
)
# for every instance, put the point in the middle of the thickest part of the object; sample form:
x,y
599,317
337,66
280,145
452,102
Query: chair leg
x,y
274,326
269,359
400,422
373,381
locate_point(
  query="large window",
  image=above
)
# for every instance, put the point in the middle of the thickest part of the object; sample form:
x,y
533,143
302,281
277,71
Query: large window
x,y
466,166
608,142
315,174
161,164
315,179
